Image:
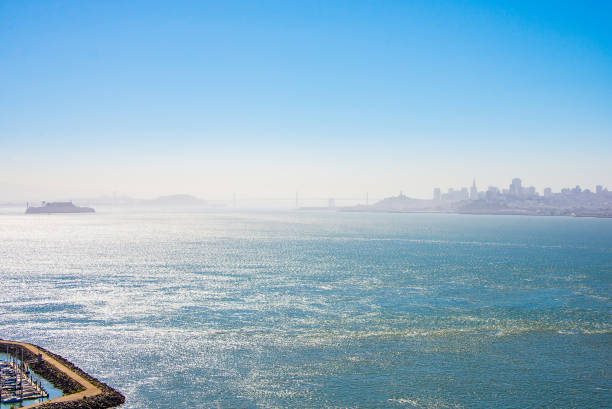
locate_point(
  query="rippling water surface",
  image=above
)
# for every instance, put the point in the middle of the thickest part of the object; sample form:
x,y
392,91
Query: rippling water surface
x,y
305,309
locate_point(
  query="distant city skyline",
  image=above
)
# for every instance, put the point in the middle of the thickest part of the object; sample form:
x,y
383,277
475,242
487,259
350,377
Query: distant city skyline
x,y
516,188
328,99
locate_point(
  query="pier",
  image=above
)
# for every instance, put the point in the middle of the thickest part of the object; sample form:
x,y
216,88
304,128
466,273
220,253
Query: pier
x,y
17,384
80,389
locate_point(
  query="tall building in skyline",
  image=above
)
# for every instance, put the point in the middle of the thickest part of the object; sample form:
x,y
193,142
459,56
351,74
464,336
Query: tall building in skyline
x,y
492,193
530,191
474,191
437,194
516,187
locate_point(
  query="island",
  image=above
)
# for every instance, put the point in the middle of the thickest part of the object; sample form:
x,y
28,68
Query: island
x,y
57,207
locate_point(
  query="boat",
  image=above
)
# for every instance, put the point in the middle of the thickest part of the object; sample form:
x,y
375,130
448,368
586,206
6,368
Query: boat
x,y
58,207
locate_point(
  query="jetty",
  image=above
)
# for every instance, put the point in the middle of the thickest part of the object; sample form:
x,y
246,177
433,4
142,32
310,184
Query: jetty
x,y
80,389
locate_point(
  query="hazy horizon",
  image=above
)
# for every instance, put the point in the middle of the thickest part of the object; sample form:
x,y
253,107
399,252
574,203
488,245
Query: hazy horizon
x,y
303,198
329,100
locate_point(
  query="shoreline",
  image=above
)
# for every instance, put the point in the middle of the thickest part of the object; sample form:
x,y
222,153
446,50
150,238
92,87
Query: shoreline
x,y
80,389
510,213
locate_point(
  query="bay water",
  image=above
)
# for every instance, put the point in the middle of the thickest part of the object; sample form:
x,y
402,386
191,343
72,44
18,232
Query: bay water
x,y
298,309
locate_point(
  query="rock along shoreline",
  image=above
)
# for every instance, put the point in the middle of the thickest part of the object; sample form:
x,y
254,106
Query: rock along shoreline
x,y
81,390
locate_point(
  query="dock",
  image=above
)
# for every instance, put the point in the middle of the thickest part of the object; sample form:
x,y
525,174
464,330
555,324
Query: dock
x,y
17,384
80,390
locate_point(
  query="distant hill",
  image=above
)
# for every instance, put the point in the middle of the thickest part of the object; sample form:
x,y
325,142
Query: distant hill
x,y
177,200
395,204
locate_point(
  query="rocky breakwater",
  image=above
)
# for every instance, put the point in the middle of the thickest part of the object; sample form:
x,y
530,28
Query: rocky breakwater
x,y
81,390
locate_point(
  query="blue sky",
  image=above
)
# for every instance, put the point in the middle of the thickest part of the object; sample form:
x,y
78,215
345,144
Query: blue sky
x,y
329,98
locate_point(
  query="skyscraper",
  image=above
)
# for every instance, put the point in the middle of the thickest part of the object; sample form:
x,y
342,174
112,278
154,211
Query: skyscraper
x,y
474,191
516,188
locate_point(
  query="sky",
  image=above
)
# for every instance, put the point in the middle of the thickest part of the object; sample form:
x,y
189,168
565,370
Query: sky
x,y
331,99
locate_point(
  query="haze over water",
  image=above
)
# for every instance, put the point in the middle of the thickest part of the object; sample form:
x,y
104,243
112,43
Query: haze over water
x,y
316,309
